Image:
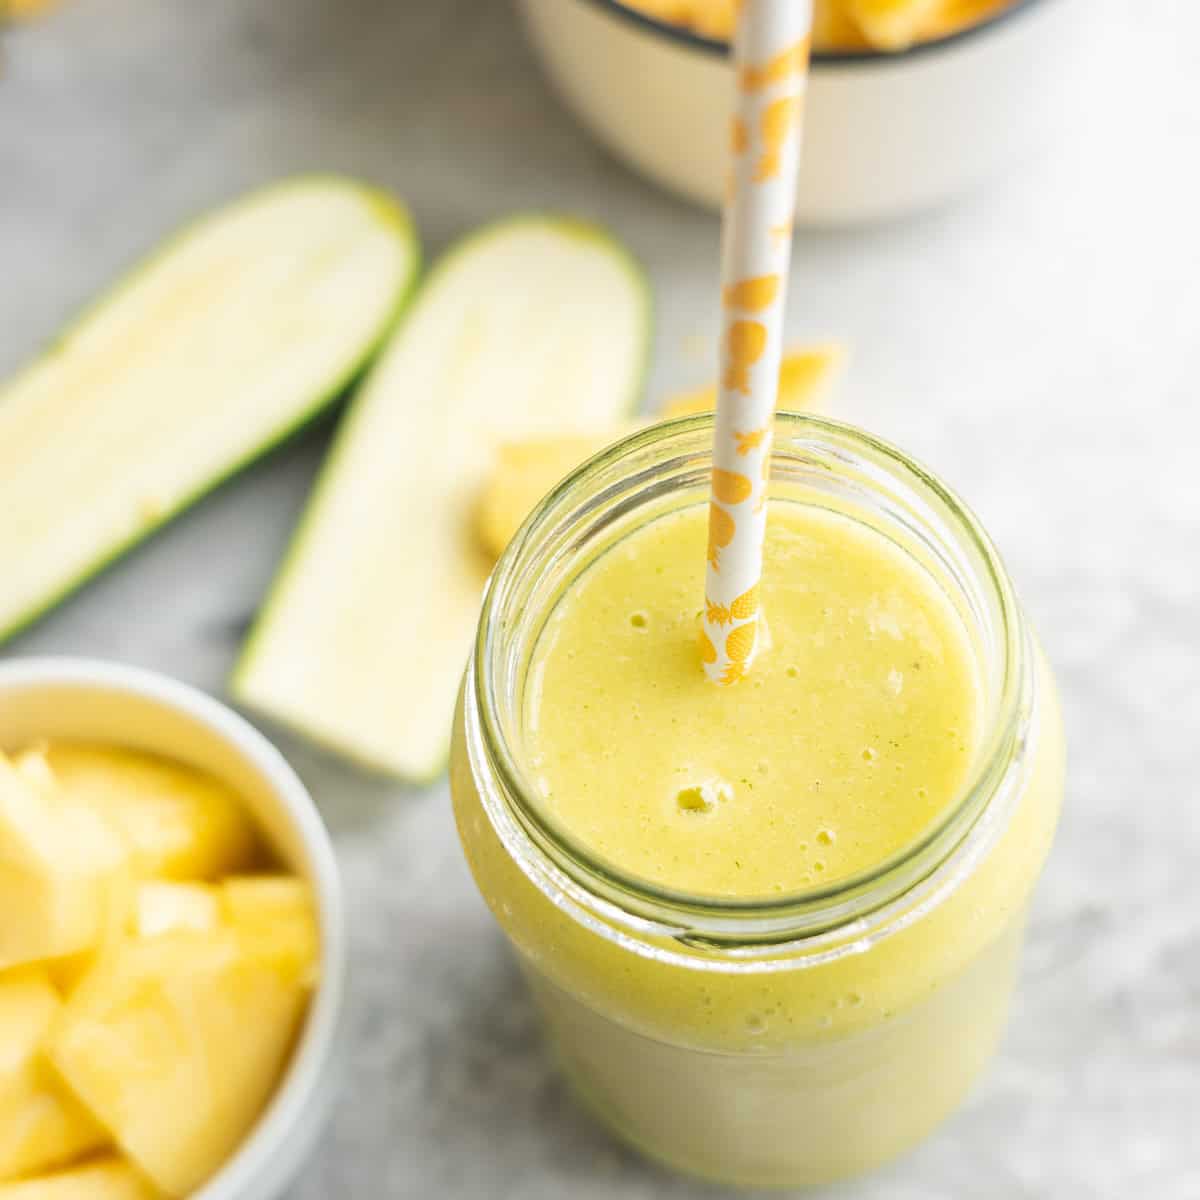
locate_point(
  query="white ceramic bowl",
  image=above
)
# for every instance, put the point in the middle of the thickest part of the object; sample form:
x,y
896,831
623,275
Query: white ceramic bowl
x,y
885,134
98,701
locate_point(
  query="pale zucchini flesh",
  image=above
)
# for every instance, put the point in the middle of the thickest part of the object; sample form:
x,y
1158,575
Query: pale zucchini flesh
x,y
226,339
534,324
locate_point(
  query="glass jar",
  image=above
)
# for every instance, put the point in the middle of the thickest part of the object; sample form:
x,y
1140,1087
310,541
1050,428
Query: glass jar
x,y
814,1036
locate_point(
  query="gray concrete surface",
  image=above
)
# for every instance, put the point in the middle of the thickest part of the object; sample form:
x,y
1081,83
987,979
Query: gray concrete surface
x,y
1037,345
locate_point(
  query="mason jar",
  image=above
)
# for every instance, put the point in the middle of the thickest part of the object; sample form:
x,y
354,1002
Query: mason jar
x,y
818,1034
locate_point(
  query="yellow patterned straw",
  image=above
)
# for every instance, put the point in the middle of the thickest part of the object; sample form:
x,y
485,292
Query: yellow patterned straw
x,y
771,63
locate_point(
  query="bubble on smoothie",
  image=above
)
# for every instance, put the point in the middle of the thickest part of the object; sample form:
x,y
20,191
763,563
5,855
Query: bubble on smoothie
x,y
639,620
703,797
870,754
826,837
756,1023
792,672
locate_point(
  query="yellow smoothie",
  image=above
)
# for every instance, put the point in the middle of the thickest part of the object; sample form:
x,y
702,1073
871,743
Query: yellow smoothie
x,y
853,732
769,947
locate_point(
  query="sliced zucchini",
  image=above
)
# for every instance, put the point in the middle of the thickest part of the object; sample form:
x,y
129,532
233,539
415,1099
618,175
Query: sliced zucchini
x,y
533,324
229,337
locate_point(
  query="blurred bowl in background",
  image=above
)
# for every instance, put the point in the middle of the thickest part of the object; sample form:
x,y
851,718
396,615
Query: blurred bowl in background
x,y
886,133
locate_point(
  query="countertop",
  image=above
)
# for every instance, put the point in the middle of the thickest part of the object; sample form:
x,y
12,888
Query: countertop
x,y
1037,344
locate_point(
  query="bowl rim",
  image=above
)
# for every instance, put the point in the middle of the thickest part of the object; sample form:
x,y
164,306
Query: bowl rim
x,y
823,58
258,1164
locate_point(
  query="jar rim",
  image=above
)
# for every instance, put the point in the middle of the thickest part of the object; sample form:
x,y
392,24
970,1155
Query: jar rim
x,y
819,909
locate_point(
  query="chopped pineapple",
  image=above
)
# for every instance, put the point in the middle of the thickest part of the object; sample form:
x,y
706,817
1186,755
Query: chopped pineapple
x,y
33,768
176,1042
182,998
525,471
277,911
41,1125
804,379
806,376
177,823
160,908
263,899
109,1178
66,972
834,29
893,24
157,907
62,873
840,24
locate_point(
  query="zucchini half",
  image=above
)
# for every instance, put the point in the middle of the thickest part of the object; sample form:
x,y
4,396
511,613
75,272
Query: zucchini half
x,y
534,324
228,338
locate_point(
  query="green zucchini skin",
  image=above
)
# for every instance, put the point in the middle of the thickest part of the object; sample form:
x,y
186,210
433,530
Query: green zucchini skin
x,y
241,680
389,214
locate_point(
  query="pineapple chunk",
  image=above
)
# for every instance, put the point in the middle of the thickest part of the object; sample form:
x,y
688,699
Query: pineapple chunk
x,y
104,1179
62,872
160,908
177,823
156,907
175,1043
893,24
278,914
525,471
33,768
833,29
65,973
839,24
804,379
41,1125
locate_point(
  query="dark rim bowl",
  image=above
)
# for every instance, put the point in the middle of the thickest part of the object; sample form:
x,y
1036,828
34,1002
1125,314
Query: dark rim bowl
x,y
714,46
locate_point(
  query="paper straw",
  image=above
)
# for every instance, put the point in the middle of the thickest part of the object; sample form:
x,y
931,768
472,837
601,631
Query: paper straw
x,y
771,64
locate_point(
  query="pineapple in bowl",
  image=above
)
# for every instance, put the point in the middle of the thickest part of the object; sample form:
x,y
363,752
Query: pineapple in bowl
x,y
161,952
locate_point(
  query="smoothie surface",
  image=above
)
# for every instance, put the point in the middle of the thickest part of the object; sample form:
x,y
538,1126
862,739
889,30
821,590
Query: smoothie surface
x,y
852,733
